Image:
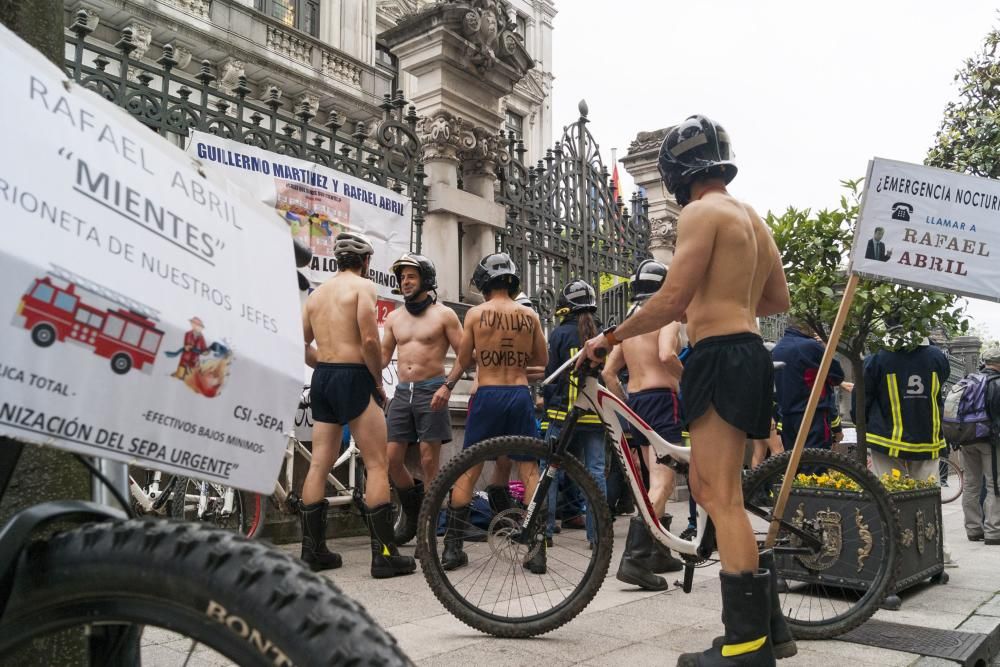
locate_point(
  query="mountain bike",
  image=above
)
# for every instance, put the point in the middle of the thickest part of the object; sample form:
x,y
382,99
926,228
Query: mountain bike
x,y
496,594
159,494
83,583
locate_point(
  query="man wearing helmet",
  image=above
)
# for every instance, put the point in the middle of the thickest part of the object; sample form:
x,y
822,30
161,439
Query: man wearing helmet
x,y
420,333
726,270
502,339
654,375
347,389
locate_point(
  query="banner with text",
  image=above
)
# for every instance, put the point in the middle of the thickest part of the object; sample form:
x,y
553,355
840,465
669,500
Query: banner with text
x,y
148,312
929,228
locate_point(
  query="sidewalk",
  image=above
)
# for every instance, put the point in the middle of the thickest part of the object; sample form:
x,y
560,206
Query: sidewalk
x,y
625,626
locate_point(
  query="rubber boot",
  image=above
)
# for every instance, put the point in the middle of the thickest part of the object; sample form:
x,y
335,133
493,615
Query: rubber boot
x,y
454,557
782,641
314,551
410,500
746,608
386,559
537,564
660,559
499,497
633,568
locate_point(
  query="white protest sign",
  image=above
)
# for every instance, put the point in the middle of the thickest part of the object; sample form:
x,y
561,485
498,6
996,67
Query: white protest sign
x,y
148,314
929,228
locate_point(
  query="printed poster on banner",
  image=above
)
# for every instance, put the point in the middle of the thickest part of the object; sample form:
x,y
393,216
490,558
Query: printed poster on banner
x,y
929,228
318,203
148,312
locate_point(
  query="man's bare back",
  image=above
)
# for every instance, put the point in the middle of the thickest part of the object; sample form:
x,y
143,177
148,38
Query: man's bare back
x,y
421,342
507,338
650,364
331,313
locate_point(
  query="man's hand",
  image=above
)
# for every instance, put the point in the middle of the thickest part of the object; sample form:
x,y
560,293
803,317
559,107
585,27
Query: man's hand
x,y
594,351
440,399
847,386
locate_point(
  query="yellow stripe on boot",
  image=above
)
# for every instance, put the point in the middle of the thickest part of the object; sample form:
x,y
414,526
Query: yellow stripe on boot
x,y
731,650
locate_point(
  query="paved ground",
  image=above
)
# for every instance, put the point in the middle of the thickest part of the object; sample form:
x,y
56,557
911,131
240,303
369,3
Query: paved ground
x,y
624,626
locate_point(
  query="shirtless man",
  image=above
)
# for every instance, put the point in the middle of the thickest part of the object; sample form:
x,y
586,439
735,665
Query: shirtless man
x,y
421,333
726,271
502,338
654,375
347,389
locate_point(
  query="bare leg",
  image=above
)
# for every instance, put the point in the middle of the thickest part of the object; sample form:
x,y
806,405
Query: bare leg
x,y
398,473
461,493
528,471
325,447
369,432
430,456
716,461
661,481
760,448
501,472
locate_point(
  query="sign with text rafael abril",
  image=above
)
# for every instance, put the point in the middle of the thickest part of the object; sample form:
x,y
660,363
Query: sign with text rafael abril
x,y
930,228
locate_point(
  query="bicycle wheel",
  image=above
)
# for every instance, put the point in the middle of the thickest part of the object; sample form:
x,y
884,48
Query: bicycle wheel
x,y
952,484
836,580
176,591
246,516
494,593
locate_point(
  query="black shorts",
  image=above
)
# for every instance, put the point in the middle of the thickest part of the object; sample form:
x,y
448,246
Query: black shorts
x,y
735,375
341,392
661,410
409,418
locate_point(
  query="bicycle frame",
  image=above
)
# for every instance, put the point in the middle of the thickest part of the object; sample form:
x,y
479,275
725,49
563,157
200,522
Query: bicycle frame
x,y
344,494
594,396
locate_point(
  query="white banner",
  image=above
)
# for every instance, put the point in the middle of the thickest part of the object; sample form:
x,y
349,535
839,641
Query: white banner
x,y
148,313
929,228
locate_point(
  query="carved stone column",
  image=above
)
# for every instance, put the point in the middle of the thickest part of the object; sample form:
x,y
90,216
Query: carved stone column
x,y
640,163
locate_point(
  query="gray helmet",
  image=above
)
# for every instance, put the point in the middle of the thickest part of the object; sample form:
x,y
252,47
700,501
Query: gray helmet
x,y
353,243
496,271
524,300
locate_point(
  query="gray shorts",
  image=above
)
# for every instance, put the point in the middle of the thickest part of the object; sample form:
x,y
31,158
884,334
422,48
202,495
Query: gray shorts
x,y
409,417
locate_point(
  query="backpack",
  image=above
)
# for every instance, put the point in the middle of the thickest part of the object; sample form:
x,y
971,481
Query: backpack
x,y
965,420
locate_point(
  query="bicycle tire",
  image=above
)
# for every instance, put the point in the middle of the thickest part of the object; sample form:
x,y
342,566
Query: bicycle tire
x,y
883,530
438,579
955,480
247,518
242,599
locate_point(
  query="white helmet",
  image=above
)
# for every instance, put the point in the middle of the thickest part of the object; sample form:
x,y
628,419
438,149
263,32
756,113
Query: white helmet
x,y
353,243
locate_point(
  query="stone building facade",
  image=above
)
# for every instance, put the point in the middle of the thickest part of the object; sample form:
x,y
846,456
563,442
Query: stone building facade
x,y
640,163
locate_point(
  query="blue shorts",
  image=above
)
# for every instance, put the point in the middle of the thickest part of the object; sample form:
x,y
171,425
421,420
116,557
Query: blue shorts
x,y
661,410
500,410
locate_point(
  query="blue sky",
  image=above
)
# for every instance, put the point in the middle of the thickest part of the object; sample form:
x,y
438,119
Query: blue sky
x,y
808,91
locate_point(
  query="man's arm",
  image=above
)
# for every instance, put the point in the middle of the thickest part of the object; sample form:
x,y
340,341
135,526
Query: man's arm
x,y
308,336
388,341
371,349
453,329
668,343
774,298
463,360
612,367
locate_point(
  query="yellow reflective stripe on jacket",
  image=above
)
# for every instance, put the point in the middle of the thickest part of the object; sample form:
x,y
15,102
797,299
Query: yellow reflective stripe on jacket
x,y
731,650
836,422
895,407
573,392
935,410
897,446
560,416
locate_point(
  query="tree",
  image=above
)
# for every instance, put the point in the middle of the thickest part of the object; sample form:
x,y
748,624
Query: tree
x,y
815,250
969,138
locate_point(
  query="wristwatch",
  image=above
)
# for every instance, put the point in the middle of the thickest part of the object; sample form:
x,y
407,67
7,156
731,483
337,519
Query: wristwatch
x,y
451,384
609,335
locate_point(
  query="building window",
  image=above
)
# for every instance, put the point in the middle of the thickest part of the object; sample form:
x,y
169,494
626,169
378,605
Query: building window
x,y
299,14
521,26
514,125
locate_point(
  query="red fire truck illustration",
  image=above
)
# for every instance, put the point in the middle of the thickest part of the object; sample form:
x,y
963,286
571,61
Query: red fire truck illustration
x,y
63,306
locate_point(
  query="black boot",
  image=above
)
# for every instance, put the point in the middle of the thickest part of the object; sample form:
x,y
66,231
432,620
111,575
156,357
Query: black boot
x,y
782,641
746,607
633,568
386,559
660,559
314,551
499,497
410,500
454,557
537,564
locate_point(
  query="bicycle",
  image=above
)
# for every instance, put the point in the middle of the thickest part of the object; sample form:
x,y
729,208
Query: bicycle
x,y
197,500
123,591
496,595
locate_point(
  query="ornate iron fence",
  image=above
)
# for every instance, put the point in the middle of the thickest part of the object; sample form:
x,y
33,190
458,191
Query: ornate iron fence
x,y
564,221
173,102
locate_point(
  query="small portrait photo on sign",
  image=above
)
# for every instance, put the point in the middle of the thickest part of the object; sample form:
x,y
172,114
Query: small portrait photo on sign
x,y
876,248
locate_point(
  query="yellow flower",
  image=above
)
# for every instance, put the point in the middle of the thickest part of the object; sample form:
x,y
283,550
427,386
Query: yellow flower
x,y
895,474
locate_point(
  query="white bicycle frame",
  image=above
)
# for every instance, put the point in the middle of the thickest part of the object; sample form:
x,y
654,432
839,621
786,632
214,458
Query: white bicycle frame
x,y
594,396
344,494
145,497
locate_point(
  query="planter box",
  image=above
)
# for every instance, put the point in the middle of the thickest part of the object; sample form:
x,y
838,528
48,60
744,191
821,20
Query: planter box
x,y
852,551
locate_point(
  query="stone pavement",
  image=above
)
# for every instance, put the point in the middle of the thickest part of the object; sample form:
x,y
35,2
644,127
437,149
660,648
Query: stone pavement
x,y
626,626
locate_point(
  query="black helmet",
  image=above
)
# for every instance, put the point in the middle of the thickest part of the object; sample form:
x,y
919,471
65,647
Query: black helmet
x,y
576,297
647,279
495,271
696,147
524,300
424,266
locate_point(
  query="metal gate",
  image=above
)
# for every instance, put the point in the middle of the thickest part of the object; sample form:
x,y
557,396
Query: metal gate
x,y
564,221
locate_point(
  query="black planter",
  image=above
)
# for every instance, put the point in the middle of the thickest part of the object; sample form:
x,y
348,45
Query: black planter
x,y
921,545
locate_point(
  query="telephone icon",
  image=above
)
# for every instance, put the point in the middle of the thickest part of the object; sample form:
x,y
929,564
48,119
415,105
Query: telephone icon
x,y
901,211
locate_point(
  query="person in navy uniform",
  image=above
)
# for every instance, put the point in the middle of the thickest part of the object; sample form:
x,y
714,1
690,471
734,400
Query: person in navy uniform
x,y
876,249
